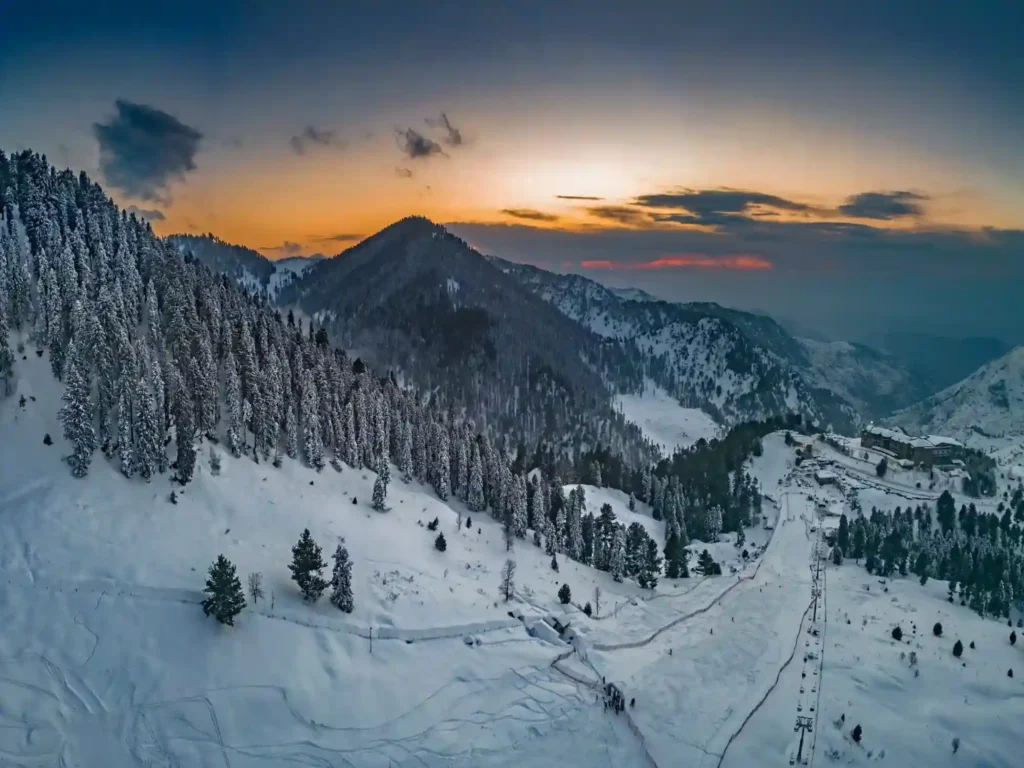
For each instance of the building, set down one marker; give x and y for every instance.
(930, 450)
(824, 477)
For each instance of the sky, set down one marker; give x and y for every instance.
(851, 168)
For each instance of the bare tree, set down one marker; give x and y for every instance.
(508, 575)
(597, 602)
(255, 586)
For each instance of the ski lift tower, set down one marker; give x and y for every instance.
(804, 725)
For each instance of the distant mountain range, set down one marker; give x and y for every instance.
(498, 336)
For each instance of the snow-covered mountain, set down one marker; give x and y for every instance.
(736, 366)
(990, 401)
(416, 299)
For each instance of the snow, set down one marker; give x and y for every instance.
(106, 658)
(989, 401)
(664, 421)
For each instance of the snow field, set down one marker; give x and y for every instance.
(664, 421)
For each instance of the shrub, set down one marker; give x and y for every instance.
(937, 629)
(47, 440)
(857, 733)
(958, 649)
(897, 634)
(587, 609)
(565, 594)
(440, 544)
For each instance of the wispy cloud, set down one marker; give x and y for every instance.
(884, 205)
(343, 237)
(311, 136)
(452, 135)
(529, 214)
(621, 214)
(578, 197)
(698, 260)
(403, 173)
(144, 149)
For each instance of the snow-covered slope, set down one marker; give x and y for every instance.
(990, 401)
(664, 421)
(733, 365)
(106, 658)
(875, 383)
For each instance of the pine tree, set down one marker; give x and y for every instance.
(440, 544)
(148, 437)
(650, 569)
(564, 594)
(519, 508)
(233, 402)
(312, 441)
(380, 485)
(341, 580)
(291, 431)
(707, 566)
(76, 415)
(442, 466)
(225, 597)
(574, 523)
(307, 567)
(126, 449)
(405, 454)
(184, 427)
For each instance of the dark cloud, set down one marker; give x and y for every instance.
(344, 237)
(144, 149)
(234, 142)
(883, 205)
(529, 214)
(403, 173)
(620, 214)
(285, 249)
(578, 197)
(415, 145)
(149, 214)
(717, 207)
(453, 136)
(313, 136)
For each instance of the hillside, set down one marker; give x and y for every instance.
(990, 401)
(733, 365)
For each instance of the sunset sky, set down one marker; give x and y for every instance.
(801, 158)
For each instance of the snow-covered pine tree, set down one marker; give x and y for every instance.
(550, 539)
(307, 567)
(405, 452)
(184, 426)
(476, 480)
(351, 450)
(291, 431)
(341, 580)
(126, 447)
(650, 567)
(76, 415)
(574, 524)
(380, 485)
(6, 355)
(617, 556)
(225, 596)
(519, 507)
(233, 403)
(311, 440)
(442, 468)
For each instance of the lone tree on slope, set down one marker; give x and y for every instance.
(307, 567)
(255, 586)
(565, 594)
(440, 544)
(341, 580)
(508, 579)
(958, 649)
(937, 629)
(226, 599)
